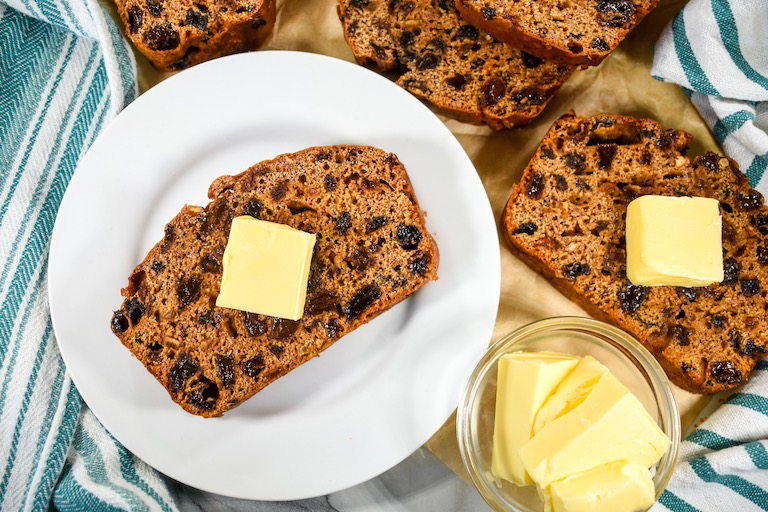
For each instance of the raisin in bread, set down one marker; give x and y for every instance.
(174, 35)
(566, 220)
(461, 71)
(372, 251)
(574, 32)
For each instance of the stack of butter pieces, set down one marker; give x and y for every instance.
(569, 426)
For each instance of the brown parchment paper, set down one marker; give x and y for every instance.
(622, 84)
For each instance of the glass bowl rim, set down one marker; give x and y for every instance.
(630, 348)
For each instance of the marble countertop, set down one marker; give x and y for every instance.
(419, 483)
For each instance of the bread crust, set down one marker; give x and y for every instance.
(372, 251)
(572, 35)
(565, 219)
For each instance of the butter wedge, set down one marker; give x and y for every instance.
(675, 241)
(524, 381)
(618, 486)
(266, 268)
(571, 391)
(609, 424)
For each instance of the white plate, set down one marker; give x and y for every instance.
(367, 402)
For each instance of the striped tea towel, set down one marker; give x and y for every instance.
(65, 72)
(717, 50)
(723, 464)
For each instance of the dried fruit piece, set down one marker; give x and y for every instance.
(632, 297)
(467, 32)
(419, 264)
(196, 19)
(527, 228)
(181, 371)
(253, 208)
(119, 322)
(279, 191)
(376, 223)
(731, 271)
(576, 161)
(226, 367)
(283, 328)
(208, 318)
(254, 325)
(154, 7)
(576, 269)
(362, 300)
(211, 263)
(718, 321)
(615, 13)
(408, 236)
(134, 308)
(204, 394)
(753, 349)
(492, 91)
(605, 155)
(258, 22)
(135, 18)
(253, 367)
(599, 44)
(333, 328)
(428, 61)
(359, 260)
(168, 237)
(536, 186)
(162, 37)
(187, 291)
(725, 373)
(343, 222)
(750, 287)
(489, 13)
(322, 301)
(749, 201)
(530, 95)
(458, 81)
(682, 335)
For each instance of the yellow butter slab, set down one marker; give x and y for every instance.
(619, 486)
(265, 268)
(524, 381)
(571, 391)
(675, 241)
(609, 424)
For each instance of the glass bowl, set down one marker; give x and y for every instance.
(624, 356)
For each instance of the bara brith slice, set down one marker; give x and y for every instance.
(372, 251)
(566, 220)
(461, 71)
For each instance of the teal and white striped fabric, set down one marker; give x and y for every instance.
(717, 50)
(65, 72)
(723, 463)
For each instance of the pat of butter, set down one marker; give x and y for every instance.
(266, 268)
(571, 391)
(609, 424)
(619, 486)
(674, 241)
(524, 381)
